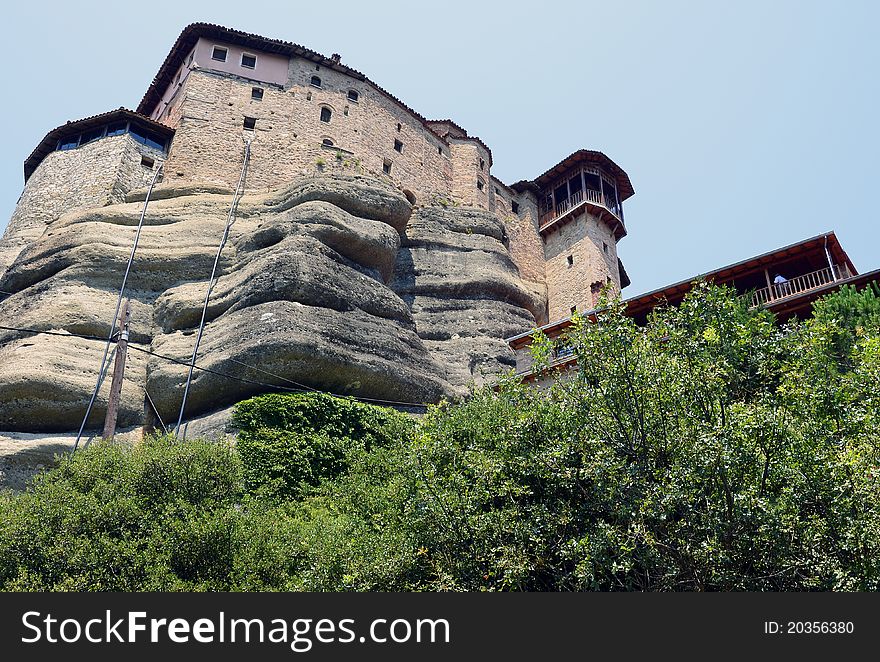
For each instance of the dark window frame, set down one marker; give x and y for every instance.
(248, 66)
(219, 48)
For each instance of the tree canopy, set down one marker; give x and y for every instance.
(710, 449)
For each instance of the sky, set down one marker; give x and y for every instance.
(743, 126)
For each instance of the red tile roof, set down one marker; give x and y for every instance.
(191, 34)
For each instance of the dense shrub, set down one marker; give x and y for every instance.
(710, 449)
(289, 443)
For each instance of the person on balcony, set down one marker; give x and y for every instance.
(781, 285)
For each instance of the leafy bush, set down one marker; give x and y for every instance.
(707, 450)
(289, 443)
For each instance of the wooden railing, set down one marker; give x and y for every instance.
(798, 285)
(576, 199)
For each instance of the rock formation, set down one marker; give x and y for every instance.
(333, 282)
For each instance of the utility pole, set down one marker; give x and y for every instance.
(118, 372)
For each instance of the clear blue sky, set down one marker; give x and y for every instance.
(744, 126)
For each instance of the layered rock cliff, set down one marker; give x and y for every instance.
(334, 283)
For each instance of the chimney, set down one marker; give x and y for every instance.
(336, 57)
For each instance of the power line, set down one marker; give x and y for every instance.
(137, 237)
(230, 219)
(298, 388)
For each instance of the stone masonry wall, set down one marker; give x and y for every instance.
(467, 155)
(287, 140)
(93, 175)
(568, 285)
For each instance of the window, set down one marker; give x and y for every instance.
(353, 95)
(327, 142)
(398, 146)
(68, 143)
(147, 138)
(248, 61)
(326, 113)
(482, 164)
(386, 167)
(570, 260)
(480, 184)
(514, 207)
(399, 126)
(257, 93)
(605, 248)
(574, 309)
(147, 162)
(89, 136)
(440, 150)
(116, 128)
(219, 54)
(250, 123)
(316, 81)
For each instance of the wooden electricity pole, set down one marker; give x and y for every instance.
(118, 372)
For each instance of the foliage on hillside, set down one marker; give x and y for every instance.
(709, 450)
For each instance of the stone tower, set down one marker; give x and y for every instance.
(580, 220)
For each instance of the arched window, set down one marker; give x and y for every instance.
(327, 142)
(316, 81)
(326, 113)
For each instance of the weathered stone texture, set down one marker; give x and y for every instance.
(569, 285)
(287, 141)
(93, 175)
(456, 273)
(316, 287)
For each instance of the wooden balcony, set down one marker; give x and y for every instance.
(767, 296)
(571, 206)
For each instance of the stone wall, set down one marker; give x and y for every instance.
(585, 240)
(470, 165)
(93, 175)
(288, 140)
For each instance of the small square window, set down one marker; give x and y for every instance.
(250, 123)
(147, 162)
(570, 260)
(257, 93)
(353, 95)
(398, 146)
(219, 54)
(248, 61)
(386, 167)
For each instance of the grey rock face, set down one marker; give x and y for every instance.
(331, 283)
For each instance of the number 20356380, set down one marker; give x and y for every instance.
(808, 627)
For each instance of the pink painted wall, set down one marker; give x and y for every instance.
(172, 90)
(271, 68)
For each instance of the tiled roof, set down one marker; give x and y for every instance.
(191, 34)
(47, 145)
